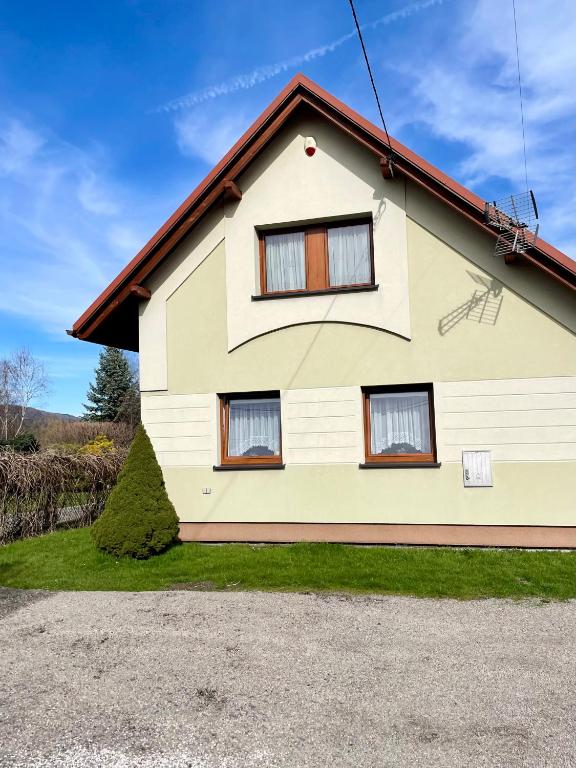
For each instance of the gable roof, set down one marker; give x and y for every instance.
(113, 317)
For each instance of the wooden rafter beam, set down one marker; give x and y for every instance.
(232, 191)
(386, 167)
(139, 291)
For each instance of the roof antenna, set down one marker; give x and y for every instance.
(515, 216)
(385, 162)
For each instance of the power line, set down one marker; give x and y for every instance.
(520, 92)
(358, 29)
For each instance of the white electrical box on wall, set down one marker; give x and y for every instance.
(477, 469)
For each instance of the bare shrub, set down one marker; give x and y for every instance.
(41, 492)
(23, 379)
(64, 436)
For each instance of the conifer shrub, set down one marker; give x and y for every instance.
(139, 519)
(25, 442)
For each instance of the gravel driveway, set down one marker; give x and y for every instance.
(215, 680)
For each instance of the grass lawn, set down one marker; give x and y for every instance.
(68, 560)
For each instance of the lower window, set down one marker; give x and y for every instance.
(250, 428)
(399, 424)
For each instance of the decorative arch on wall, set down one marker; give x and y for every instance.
(319, 323)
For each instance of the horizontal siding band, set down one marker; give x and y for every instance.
(179, 429)
(321, 431)
(170, 416)
(549, 417)
(328, 455)
(496, 387)
(513, 452)
(321, 395)
(300, 410)
(510, 436)
(314, 402)
(159, 402)
(321, 424)
(321, 442)
(534, 401)
(516, 419)
(200, 443)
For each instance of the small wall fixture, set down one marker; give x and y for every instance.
(387, 167)
(477, 469)
(310, 145)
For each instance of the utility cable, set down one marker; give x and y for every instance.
(520, 92)
(359, 30)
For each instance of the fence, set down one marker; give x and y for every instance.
(40, 492)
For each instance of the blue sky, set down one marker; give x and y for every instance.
(111, 112)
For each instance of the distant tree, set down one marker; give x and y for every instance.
(129, 412)
(23, 380)
(113, 381)
(6, 398)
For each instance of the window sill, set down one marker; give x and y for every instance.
(245, 467)
(401, 465)
(323, 292)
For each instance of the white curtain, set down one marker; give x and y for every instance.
(285, 262)
(349, 254)
(400, 423)
(254, 427)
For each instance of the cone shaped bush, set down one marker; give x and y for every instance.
(138, 519)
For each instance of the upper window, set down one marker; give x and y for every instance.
(250, 425)
(316, 258)
(399, 424)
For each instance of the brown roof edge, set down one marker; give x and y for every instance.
(186, 206)
(544, 255)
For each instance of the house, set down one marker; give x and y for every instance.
(330, 348)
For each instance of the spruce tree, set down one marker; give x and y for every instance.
(138, 519)
(113, 380)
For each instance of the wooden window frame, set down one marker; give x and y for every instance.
(398, 458)
(243, 461)
(316, 257)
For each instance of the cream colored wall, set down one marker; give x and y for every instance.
(436, 232)
(285, 186)
(515, 377)
(502, 382)
(524, 342)
(523, 494)
(516, 419)
(168, 278)
(322, 426)
(183, 428)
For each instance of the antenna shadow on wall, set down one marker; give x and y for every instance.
(483, 307)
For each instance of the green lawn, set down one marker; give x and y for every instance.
(68, 560)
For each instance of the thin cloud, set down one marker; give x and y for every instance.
(223, 127)
(71, 225)
(266, 72)
(475, 104)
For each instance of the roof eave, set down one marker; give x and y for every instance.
(544, 255)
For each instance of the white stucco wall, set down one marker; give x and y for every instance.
(285, 186)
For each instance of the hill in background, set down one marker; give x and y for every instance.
(34, 415)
